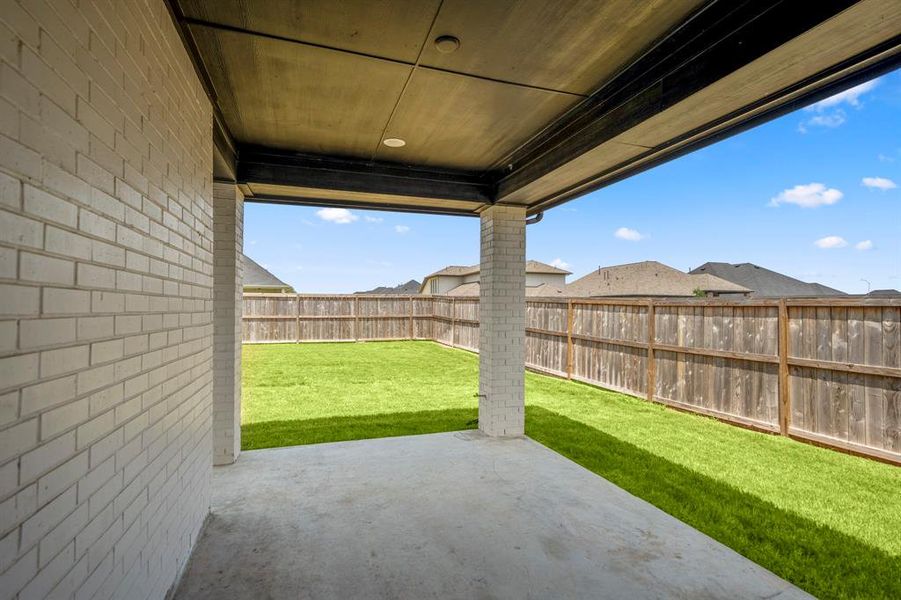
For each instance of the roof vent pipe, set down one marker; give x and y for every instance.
(535, 219)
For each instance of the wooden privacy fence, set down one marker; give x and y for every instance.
(823, 370)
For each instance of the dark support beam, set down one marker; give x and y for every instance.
(722, 37)
(225, 159)
(382, 206)
(274, 167)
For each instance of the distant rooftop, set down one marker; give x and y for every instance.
(885, 293)
(765, 283)
(532, 266)
(648, 278)
(256, 277)
(410, 287)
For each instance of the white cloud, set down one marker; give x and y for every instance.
(809, 195)
(831, 113)
(879, 183)
(626, 233)
(885, 158)
(370, 219)
(560, 263)
(831, 120)
(342, 216)
(864, 245)
(831, 241)
(401, 229)
(850, 96)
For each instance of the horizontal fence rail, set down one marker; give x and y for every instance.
(827, 371)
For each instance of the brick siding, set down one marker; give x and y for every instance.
(502, 334)
(106, 300)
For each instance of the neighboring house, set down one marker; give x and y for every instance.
(650, 278)
(886, 293)
(472, 290)
(257, 279)
(405, 289)
(765, 283)
(541, 280)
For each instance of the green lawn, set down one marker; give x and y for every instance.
(828, 522)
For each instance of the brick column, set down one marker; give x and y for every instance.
(228, 278)
(502, 334)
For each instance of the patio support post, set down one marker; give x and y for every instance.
(503, 318)
(228, 279)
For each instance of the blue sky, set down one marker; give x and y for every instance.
(815, 194)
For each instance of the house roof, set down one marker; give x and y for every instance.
(647, 278)
(765, 283)
(410, 287)
(885, 293)
(532, 266)
(472, 289)
(465, 289)
(258, 277)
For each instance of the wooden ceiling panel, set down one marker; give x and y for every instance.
(392, 29)
(298, 97)
(566, 45)
(458, 122)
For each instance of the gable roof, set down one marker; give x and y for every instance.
(256, 276)
(647, 278)
(765, 283)
(532, 266)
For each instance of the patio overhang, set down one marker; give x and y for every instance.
(539, 103)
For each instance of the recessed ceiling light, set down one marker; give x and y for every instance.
(446, 44)
(394, 142)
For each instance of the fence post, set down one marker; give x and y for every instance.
(297, 327)
(651, 383)
(569, 339)
(784, 397)
(411, 317)
(454, 322)
(356, 311)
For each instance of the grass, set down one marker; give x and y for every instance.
(828, 522)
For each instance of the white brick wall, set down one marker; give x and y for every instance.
(106, 300)
(228, 278)
(502, 334)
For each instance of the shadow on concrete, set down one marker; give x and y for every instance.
(816, 558)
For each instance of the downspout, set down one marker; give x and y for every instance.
(535, 219)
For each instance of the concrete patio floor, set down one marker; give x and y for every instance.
(451, 515)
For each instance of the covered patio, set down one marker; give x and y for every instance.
(132, 132)
(449, 515)
(494, 111)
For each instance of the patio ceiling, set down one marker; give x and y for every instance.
(540, 103)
